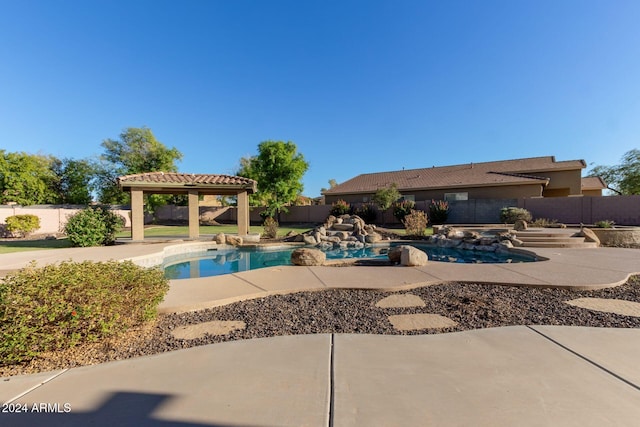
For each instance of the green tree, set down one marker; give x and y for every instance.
(279, 169)
(74, 181)
(385, 197)
(623, 178)
(26, 179)
(332, 183)
(137, 151)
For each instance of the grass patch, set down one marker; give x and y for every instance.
(9, 246)
(183, 230)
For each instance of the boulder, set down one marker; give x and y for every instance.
(308, 257)
(328, 223)
(471, 235)
(342, 235)
(517, 243)
(394, 254)
(412, 257)
(251, 238)
(310, 240)
(234, 240)
(486, 241)
(589, 235)
(520, 225)
(504, 244)
(372, 238)
(220, 239)
(209, 218)
(342, 226)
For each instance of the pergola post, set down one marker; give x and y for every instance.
(243, 214)
(194, 215)
(137, 215)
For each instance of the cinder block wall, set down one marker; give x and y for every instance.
(52, 217)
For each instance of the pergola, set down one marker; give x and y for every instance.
(193, 185)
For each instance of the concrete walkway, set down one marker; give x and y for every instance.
(538, 375)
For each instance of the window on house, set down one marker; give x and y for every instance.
(409, 197)
(456, 196)
(365, 199)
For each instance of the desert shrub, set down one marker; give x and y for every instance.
(270, 228)
(402, 208)
(604, 224)
(21, 225)
(59, 306)
(542, 222)
(93, 227)
(340, 208)
(367, 211)
(510, 215)
(438, 211)
(415, 223)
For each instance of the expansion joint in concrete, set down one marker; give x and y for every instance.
(586, 359)
(331, 380)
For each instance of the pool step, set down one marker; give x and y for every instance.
(549, 239)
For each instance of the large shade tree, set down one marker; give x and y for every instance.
(26, 179)
(74, 181)
(623, 178)
(279, 169)
(137, 151)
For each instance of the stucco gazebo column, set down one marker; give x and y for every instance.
(194, 215)
(137, 215)
(243, 214)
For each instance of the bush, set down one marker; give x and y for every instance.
(367, 211)
(21, 225)
(93, 227)
(59, 306)
(511, 214)
(340, 208)
(543, 222)
(402, 208)
(270, 228)
(438, 211)
(415, 223)
(604, 224)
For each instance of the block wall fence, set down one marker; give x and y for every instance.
(623, 210)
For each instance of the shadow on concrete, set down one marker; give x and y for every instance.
(121, 409)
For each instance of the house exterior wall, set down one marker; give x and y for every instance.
(497, 192)
(562, 183)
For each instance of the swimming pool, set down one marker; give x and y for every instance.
(215, 262)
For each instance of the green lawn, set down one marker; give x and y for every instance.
(183, 230)
(32, 245)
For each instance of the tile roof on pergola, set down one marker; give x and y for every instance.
(186, 183)
(180, 183)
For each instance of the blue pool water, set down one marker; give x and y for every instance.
(225, 261)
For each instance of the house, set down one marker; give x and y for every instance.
(593, 186)
(506, 179)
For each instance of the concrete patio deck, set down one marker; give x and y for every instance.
(522, 375)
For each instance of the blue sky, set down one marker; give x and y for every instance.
(359, 86)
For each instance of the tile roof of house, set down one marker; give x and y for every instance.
(593, 183)
(175, 179)
(505, 172)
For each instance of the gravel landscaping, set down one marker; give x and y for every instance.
(471, 306)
